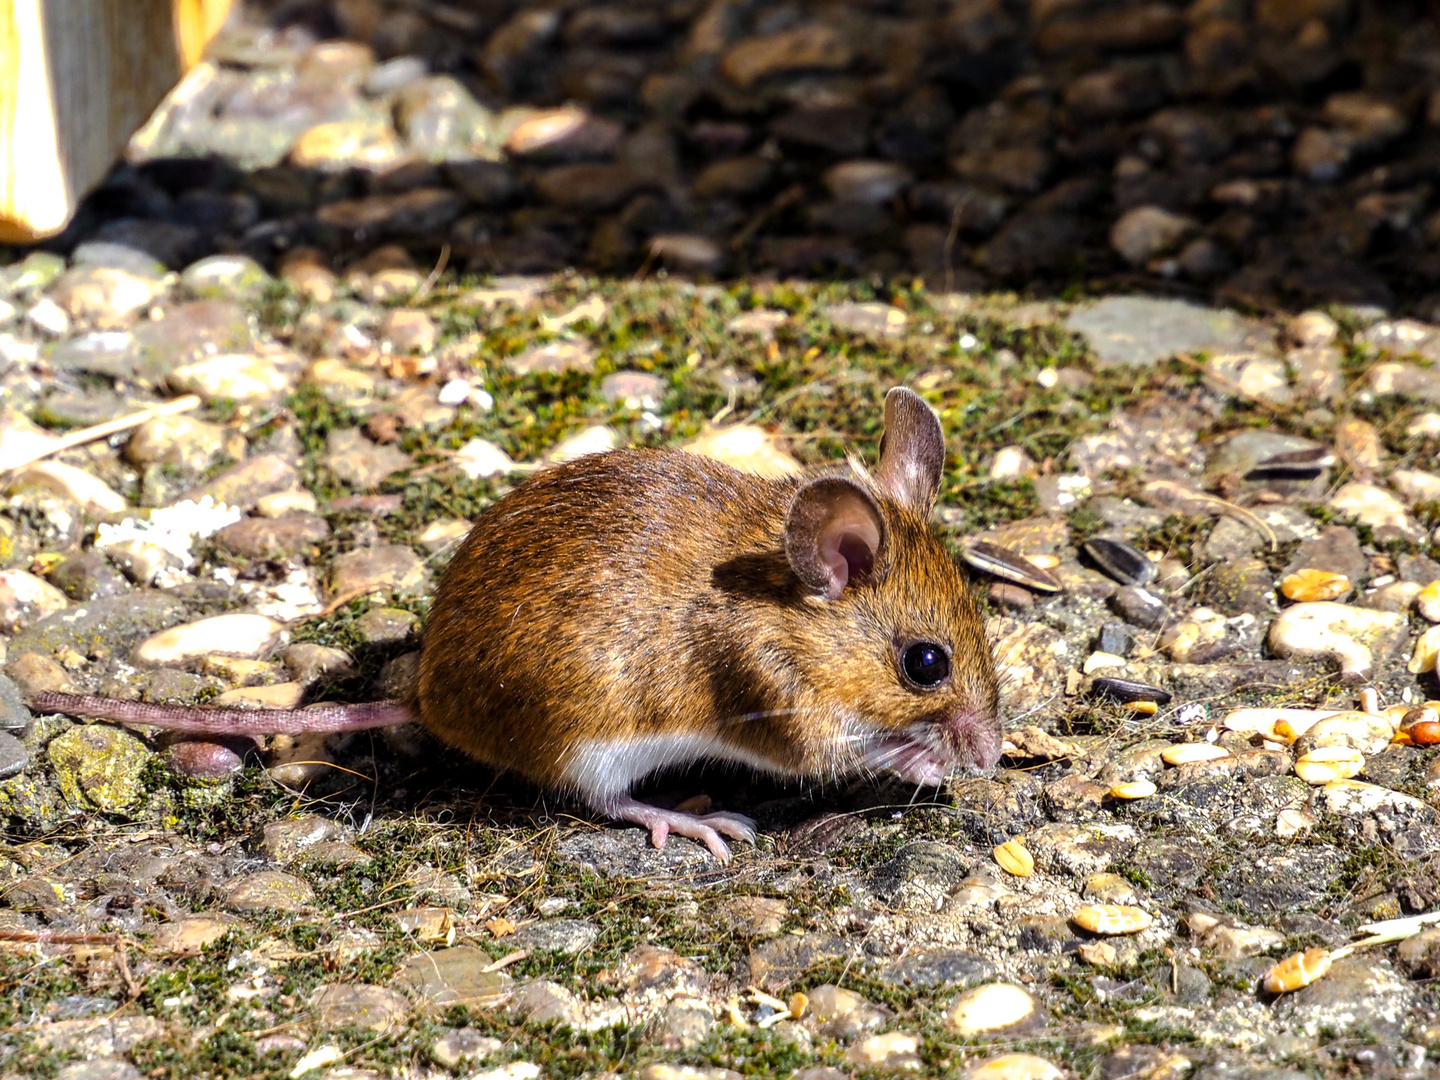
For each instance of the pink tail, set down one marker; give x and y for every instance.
(217, 720)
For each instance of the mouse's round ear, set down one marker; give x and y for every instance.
(834, 535)
(912, 451)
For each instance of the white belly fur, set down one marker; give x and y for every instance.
(607, 768)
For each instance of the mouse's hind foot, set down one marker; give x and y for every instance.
(707, 828)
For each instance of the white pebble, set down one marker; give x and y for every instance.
(455, 392)
(989, 1008)
(83, 487)
(1324, 628)
(228, 635)
(479, 459)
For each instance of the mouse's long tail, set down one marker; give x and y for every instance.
(218, 720)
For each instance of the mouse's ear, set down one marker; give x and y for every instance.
(834, 534)
(912, 451)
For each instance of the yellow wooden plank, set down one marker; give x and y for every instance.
(77, 77)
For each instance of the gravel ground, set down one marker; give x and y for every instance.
(1195, 515)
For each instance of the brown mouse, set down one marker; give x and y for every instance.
(643, 609)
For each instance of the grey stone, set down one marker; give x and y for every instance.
(1336, 549)
(567, 936)
(457, 976)
(14, 755)
(920, 875)
(1136, 331)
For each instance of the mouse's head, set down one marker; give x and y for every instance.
(892, 634)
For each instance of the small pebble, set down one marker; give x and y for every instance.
(229, 635)
(1017, 1066)
(989, 1008)
(1336, 631)
(1427, 648)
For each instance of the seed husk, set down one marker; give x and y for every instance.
(1427, 601)
(1187, 753)
(1125, 691)
(1327, 763)
(1135, 789)
(1311, 584)
(1425, 733)
(1111, 918)
(1008, 565)
(1293, 464)
(1120, 561)
(1013, 858)
(1297, 971)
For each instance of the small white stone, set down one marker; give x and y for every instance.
(593, 440)
(1325, 628)
(479, 459)
(747, 448)
(1370, 505)
(1312, 329)
(48, 317)
(1011, 463)
(26, 599)
(1267, 379)
(279, 503)
(227, 635)
(1294, 820)
(73, 483)
(1354, 797)
(1416, 486)
(230, 376)
(145, 563)
(455, 392)
(989, 1008)
(1424, 426)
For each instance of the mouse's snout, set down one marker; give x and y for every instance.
(975, 737)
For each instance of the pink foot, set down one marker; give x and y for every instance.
(705, 828)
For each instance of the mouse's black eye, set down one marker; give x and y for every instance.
(925, 664)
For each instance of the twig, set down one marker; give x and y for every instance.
(101, 431)
(434, 275)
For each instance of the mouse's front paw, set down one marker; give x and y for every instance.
(707, 828)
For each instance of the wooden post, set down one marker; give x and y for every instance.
(77, 77)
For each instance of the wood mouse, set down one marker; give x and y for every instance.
(638, 610)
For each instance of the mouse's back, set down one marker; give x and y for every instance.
(564, 613)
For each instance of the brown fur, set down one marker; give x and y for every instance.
(648, 591)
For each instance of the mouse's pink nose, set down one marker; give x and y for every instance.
(977, 739)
